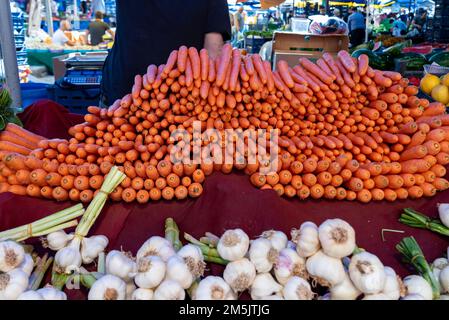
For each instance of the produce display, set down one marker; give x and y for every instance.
(346, 131)
(437, 87)
(318, 262)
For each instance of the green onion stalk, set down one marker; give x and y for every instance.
(416, 219)
(58, 221)
(38, 274)
(172, 233)
(210, 254)
(413, 255)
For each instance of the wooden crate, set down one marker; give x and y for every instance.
(290, 46)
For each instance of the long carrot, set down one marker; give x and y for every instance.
(27, 135)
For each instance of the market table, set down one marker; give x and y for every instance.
(228, 201)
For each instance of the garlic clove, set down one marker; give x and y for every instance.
(11, 255)
(278, 239)
(150, 272)
(108, 287)
(289, 264)
(264, 285)
(57, 240)
(193, 257)
(130, 288)
(142, 294)
(30, 295)
(262, 255)
(156, 246)
(443, 212)
(306, 239)
(344, 290)
(68, 259)
(121, 265)
(444, 279)
(415, 284)
(27, 264)
(393, 287)
(240, 274)
(92, 247)
(179, 271)
(367, 273)
(337, 238)
(169, 290)
(12, 284)
(214, 288)
(233, 244)
(297, 288)
(326, 271)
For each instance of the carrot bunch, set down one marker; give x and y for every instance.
(346, 131)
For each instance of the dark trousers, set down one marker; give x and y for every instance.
(357, 37)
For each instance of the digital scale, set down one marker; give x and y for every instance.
(84, 69)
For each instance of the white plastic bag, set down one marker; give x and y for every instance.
(327, 25)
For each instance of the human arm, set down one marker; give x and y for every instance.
(213, 42)
(111, 32)
(218, 29)
(86, 36)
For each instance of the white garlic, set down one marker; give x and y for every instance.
(92, 247)
(297, 288)
(438, 265)
(12, 284)
(156, 246)
(233, 244)
(58, 240)
(264, 285)
(278, 239)
(240, 274)
(30, 295)
(169, 290)
(272, 297)
(337, 238)
(130, 288)
(27, 264)
(214, 288)
(306, 239)
(376, 296)
(288, 264)
(50, 293)
(11, 255)
(418, 285)
(444, 279)
(262, 254)
(413, 296)
(326, 271)
(142, 294)
(326, 296)
(393, 286)
(177, 270)
(443, 212)
(150, 272)
(367, 272)
(108, 287)
(344, 290)
(69, 259)
(193, 258)
(120, 265)
(444, 297)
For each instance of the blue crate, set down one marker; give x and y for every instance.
(31, 92)
(76, 100)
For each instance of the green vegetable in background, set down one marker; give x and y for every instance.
(7, 113)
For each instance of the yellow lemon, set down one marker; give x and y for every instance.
(429, 82)
(445, 80)
(441, 93)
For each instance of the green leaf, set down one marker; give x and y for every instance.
(14, 119)
(2, 123)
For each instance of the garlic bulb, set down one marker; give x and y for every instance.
(27, 264)
(92, 247)
(413, 296)
(121, 265)
(233, 244)
(262, 254)
(325, 270)
(69, 259)
(297, 288)
(12, 284)
(306, 239)
(193, 258)
(108, 287)
(264, 285)
(278, 239)
(438, 265)
(377, 296)
(156, 246)
(57, 240)
(130, 288)
(240, 274)
(418, 285)
(169, 290)
(50, 293)
(393, 287)
(443, 212)
(214, 288)
(344, 290)
(272, 297)
(367, 273)
(289, 264)
(11, 255)
(177, 270)
(444, 297)
(142, 294)
(337, 238)
(150, 272)
(444, 279)
(30, 295)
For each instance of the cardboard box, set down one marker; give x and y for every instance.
(290, 46)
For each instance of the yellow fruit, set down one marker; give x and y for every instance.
(441, 93)
(445, 80)
(429, 82)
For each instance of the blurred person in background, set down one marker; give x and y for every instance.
(59, 37)
(239, 19)
(98, 5)
(336, 13)
(97, 29)
(356, 26)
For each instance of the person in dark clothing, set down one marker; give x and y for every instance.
(356, 26)
(147, 32)
(97, 29)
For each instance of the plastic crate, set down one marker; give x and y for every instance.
(32, 92)
(77, 99)
(254, 43)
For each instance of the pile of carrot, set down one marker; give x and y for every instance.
(347, 131)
